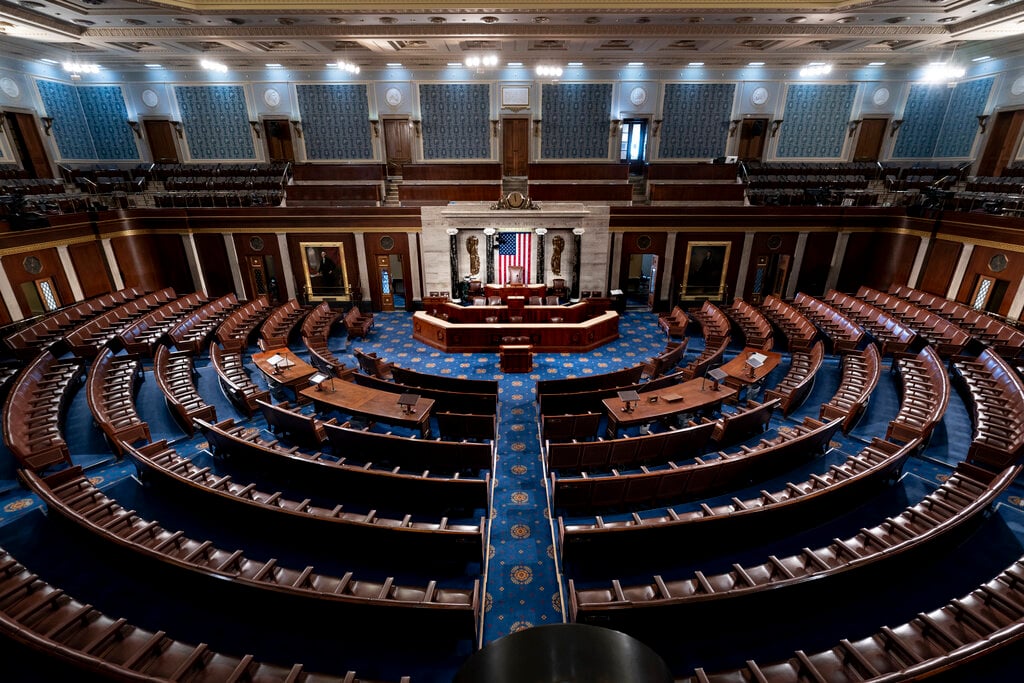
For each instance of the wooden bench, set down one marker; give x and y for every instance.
(740, 425)
(798, 330)
(599, 455)
(925, 395)
(295, 427)
(714, 324)
(585, 383)
(276, 331)
(413, 378)
(757, 331)
(462, 402)
(146, 332)
(454, 426)
(674, 322)
(665, 361)
(176, 376)
(373, 366)
(194, 332)
(796, 385)
(894, 336)
(356, 323)
(234, 333)
(76, 499)
(111, 387)
(364, 444)
(235, 380)
(844, 334)
(996, 399)
(570, 427)
(860, 375)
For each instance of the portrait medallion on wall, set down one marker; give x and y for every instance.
(998, 263)
(256, 243)
(10, 87)
(774, 242)
(759, 96)
(393, 96)
(150, 98)
(880, 96)
(272, 97)
(643, 242)
(387, 242)
(32, 265)
(637, 96)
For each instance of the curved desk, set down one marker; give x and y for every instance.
(487, 337)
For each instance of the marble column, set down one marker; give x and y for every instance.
(69, 271)
(453, 250)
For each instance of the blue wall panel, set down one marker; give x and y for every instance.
(960, 127)
(576, 120)
(695, 121)
(70, 128)
(455, 121)
(815, 120)
(335, 121)
(107, 117)
(216, 121)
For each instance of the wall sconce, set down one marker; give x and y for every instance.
(854, 125)
(255, 125)
(982, 122)
(416, 127)
(374, 125)
(732, 126)
(178, 128)
(134, 125)
(47, 123)
(494, 127)
(616, 126)
(895, 126)
(657, 127)
(536, 128)
(297, 125)
(775, 126)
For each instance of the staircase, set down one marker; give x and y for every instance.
(391, 190)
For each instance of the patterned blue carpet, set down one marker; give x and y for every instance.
(522, 578)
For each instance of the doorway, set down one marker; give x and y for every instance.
(278, 133)
(869, 140)
(752, 138)
(161, 137)
(640, 281)
(260, 277)
(397, 144)
(385, 278)
(27, 143)
(515, 146)
(633, 149)
(1002, 143)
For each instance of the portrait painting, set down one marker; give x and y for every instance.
(324, 264)
(706, 266)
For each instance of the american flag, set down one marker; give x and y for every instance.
(514, 249)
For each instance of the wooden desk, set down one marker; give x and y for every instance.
(373, 404)
(739, 372)
(693, 399)
(295, 376)
(481, 337)
(505, 291)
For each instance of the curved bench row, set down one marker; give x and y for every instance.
(175, 375)
(406, 451)
(665, 361)
(845, 334)
(193, 333)
(925, 395)
(234, 333)
(674, 535)
(432, 540)
(714, 324)
(796, 385)
(703, 476)
(674, 323)
(800, 333)
(941, 517)
(71, 495)
(445, 401)
(316, 330)
(861, 372)
(142, 335)
(947, 338)
(997, 403)
(893, 335)
(34, 408)
(235, 380)
(88, 338)
(48, 620)
(112, 385)
(757, 331)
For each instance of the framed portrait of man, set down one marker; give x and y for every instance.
(324, 265)
(706, 267)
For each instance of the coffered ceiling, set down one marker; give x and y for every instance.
(249, 34)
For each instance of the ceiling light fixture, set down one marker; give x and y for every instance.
(938, 72)
(478, 62)
(816, 69)
(80, 68)
(634, 64)
(876, 63)
(342, 65)
(273, 65)
(548, 71)
(393, 65)
(695, 64)
(514, 64)
(575, 64)
(153, 66)
(214, 66)
(755, 64)
(981, 59)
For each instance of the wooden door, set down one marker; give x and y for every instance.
(256, 277)
(1002, 143)
(752, 137)
(869, 139)
(386, 282)
(515, 146)
(162, 143)
(397, 144)
(29, 145)
(278, 133)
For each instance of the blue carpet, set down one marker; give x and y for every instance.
(523, 580)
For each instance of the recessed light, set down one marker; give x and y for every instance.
(896, 20)
(981, 59)
(514, 64)
(635, 64)
(575, 64)
(441, 20)
(45, 60)
(846, 20)
(796, 20)
(153, 66)
(454, 63)
(876, 63)
(490, 20)
(272, 65)
(695, 64)
(755, 64)
(393, 65)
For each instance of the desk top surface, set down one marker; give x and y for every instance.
(357, 399)
(738, 370)
(687, 396)
(297, 371)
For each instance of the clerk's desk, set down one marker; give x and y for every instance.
(373, 404)
(293, 372)
(691, 396)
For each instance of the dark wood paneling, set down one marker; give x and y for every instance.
(348, 172)
(817, 262)
(51, 267)
(245, 250)
(213, 259)
(160, 136)
(689, 192)
(600, 191)
(691, 171)
(436, 171)
(331, 195)
(91, 269)
(371, 242)
(978, 265)
(515, 145)
(602, 170)
(152, 262)
(877, 260)
(437, 193)
(761, 248)
(939, 265)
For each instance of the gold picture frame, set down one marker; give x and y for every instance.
(323, 264)
(515, 97)
(707, 265)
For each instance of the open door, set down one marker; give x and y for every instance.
(515, 146)
(752, 137)
(385, 277)
(397, 144)
(278, 134)
(162, 141)
(633, 148)
(29, 145)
